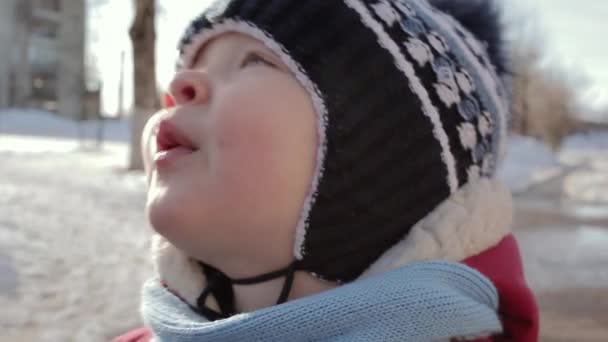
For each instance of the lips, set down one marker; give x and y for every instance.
(171, 144)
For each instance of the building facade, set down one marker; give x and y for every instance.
(44, 66)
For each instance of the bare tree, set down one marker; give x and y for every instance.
(146, 102)
(545, 94)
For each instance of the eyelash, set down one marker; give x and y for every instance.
(254, 59)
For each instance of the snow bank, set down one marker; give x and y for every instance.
(41, 123)
(528, 161)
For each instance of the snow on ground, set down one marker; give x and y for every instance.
(588, 183)
(597, 140)
(561, 225)
(73, 241)
(565, 257)
(583, 160)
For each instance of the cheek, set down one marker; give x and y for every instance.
(265, 148)
(258, 135)
(248, 154)
(248, 140)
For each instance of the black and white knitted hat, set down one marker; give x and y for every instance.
(411, 106)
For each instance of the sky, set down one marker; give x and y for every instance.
(108, 28)
(574, 33)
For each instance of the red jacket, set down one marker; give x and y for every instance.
(517, 308)
(501, 264)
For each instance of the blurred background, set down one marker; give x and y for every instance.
(79, 78)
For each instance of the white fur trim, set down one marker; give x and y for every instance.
(472, 220)
(180, 273)
(318, 102)
(415, 85)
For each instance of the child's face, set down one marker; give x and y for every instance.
(233, 195)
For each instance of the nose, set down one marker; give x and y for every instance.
(190, 87)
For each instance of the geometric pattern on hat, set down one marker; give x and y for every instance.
(409, 109)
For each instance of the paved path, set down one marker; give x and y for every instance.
(8, 277)
(564, 244)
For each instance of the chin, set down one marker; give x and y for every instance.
(171, 216)
(160, 217)
(165, 214)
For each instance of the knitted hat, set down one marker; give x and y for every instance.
(410, 107)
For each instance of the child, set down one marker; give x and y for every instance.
(325, 173)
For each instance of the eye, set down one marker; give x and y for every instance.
(255, 59)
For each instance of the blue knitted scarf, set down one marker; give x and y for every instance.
(427, 301)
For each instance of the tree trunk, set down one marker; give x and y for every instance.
(143, 38)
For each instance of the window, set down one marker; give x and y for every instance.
(44, 27)
(50, 5)
(44, 87)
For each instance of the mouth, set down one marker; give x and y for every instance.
(171, 143)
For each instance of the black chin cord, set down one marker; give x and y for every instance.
(220, 286)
